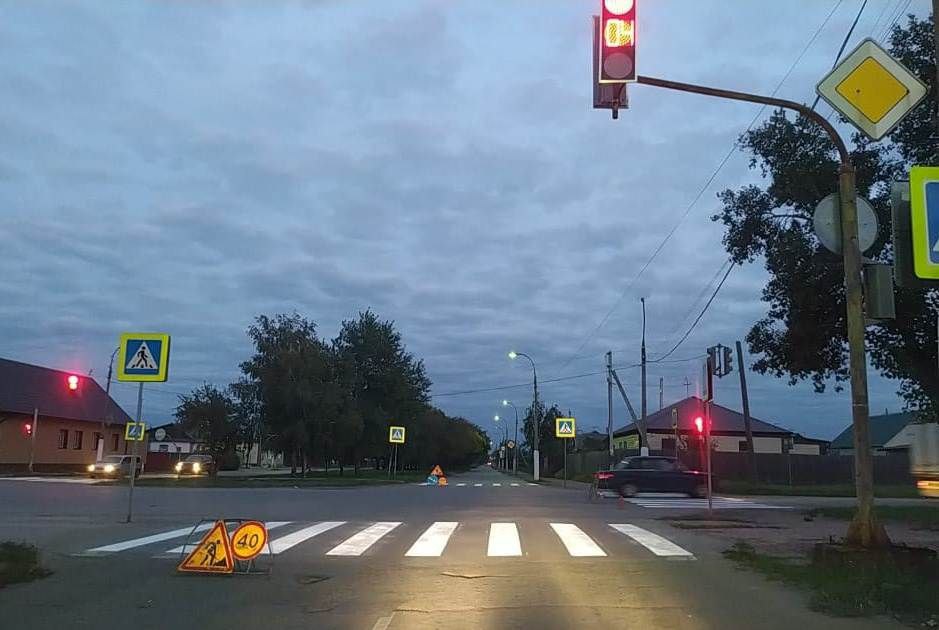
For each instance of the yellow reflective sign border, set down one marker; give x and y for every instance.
(163, 361)
(925, 258)
(131, 426)
(248, 540)
(396, 435)
(559, 422)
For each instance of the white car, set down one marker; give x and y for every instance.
(114, 466)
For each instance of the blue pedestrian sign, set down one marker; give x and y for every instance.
(924, 221)
(135, 431)
(143, 357)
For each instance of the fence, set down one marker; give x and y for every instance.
(892, 468)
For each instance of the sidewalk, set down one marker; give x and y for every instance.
(254, 472)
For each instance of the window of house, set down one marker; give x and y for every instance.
(179, 449)
(164, 448)
(77, 439)
(114, 438)
(63, 438)
(98, 438)
(742, 447)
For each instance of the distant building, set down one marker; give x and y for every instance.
(71, 421)
(590, 441)
(889, 432)
(727, 431)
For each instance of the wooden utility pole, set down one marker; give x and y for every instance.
(643, 361)
(609, 405)
(745, 399)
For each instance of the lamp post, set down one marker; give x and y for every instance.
(536, 416)
(506, 403)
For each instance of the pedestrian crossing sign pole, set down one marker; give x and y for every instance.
(395, 437)
(565, 429)
(142, 358)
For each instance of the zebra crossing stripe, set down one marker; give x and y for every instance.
(653, 542)
(147, 540)
(503, 540)
(719, 503)
(496, 485)
(461, 484)
(360, 542)
(514, 485)
(282, 544)
(433, 541)
(578, 543)
(188, 548)
(477, 485)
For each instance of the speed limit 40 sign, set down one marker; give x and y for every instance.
(248, 540)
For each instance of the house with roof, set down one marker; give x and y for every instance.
(52, 420)
(889, 432)
(727, 431)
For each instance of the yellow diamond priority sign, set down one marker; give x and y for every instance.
(872, 89)
(565, 427)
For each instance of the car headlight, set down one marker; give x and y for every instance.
(179, 466)
(108, 468)
(91, 468)
(196, 467)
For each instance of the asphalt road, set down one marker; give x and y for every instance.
(480, 553)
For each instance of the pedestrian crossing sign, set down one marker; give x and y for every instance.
(564, 427)
(143, 357)
(396, 435)
(212, 555)
(924, 221)
(135, 431)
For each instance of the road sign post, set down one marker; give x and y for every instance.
(565, 429)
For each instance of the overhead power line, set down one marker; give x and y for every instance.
(701, 192)
(844, 43)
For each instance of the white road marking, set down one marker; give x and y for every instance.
(80, 480)
(360, 542)
(577, 542)
(530, 483)
(461, 484)
(477, 485)
(188, 548)
(514, 485)
(282, 544)
(719, 503)
(146, 540)
(383, 622)
(497, 485)
(433, 541)
(503, 540)
(653, 542)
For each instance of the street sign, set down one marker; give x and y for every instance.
(437, 471)
(143, 357)
(564, 427)
(510, 443)
(871, 89)
(135, 431)
(396, 435)
(248, 540)
(827, 223)
(924, 221)
(159, 434)
(212, 555)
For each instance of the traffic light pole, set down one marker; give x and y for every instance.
(864, 530)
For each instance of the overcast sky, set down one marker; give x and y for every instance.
(186, 166)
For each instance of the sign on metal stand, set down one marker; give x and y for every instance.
(565, 429)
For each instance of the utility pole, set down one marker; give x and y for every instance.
(32, 438)
(661, 393)
(745, 399)
(609, 404)
(643, 362)
(99, 447)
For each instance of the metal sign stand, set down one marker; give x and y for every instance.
(241, 567)
(133, 455)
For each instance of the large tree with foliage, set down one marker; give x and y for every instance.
(803, 334)
(209, 414)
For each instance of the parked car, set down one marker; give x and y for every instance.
(195, 465)
(651, 474)
(114, 466)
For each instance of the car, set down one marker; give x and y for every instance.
(195, 465)
(651, 474)
(114, 466)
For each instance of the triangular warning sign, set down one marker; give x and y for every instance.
(212, 554)
(437, 471)
(565, 428)
(396, 434)
(142, 359)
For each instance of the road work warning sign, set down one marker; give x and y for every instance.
(212, 555)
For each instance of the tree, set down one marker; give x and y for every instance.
(208, 413)
(803, 335)
(551, 448)
(246, 397)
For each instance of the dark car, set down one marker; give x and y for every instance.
(114, 466)
(196, 465)
(651, 474)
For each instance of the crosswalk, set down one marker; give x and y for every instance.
(718, 503)
(503, 539)
(492, 484)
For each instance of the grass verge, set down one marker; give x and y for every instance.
(918, 516)
(848, 590)
(832, 490)
(19, 562)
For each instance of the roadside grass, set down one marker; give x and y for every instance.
(848, 590)
(19, 562)
(918, 516)
(313, 479)
(831, 490)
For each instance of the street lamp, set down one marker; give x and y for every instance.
(536, 413)
(506, 403)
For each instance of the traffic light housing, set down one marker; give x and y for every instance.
(72, 383)
(27, 429)
(727, 364)
(617, 41)
(699, 425)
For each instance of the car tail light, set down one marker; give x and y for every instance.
(603, 475)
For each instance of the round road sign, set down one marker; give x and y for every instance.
(159, 434)
(248, 540)
(510, 443)
(827, 223)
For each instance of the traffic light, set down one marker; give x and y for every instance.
(72, 381)
(27, 429)
(727, 364)
(699, 425)
(617, 41)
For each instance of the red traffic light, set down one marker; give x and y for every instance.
(617, 41)
(72, 383)
(699, 424)
(27, 429)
